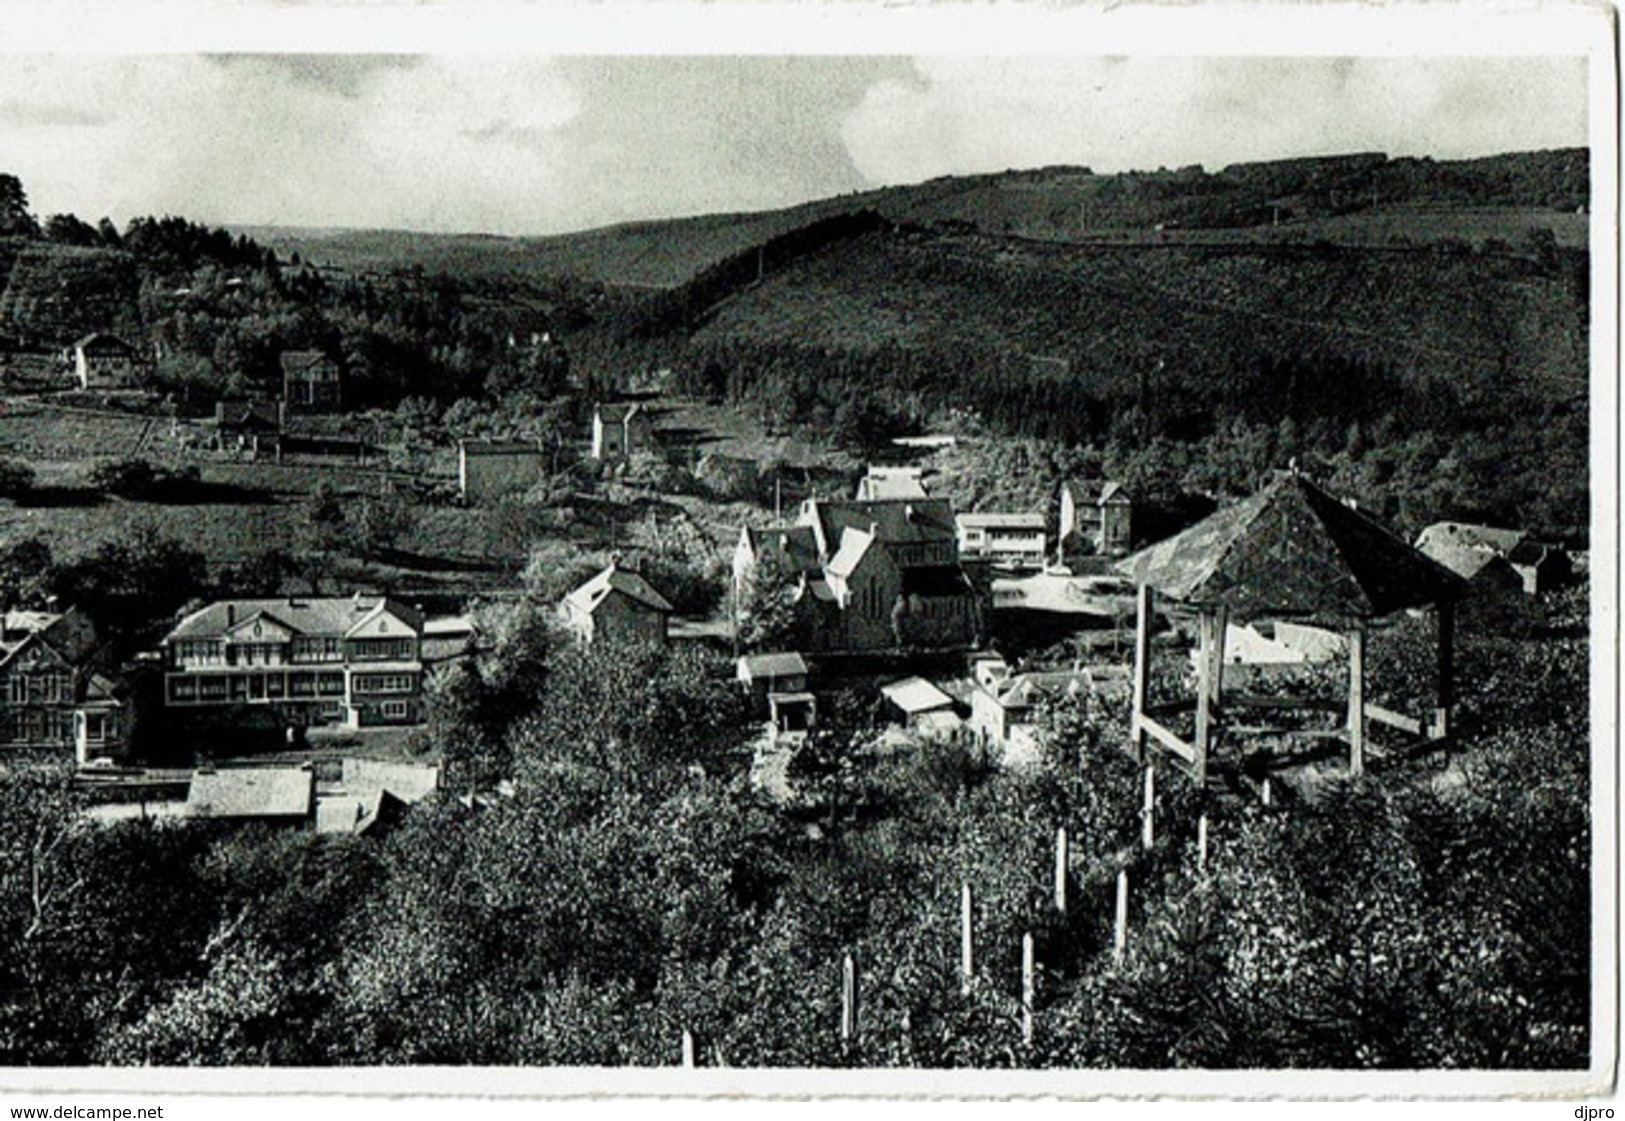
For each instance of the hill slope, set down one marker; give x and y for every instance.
(1361, 199)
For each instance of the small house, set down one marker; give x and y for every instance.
(103, 361)
(763, 674)
(54, 699)
(616, 605)
(490, 469)
(923, 708)
(248, 426)
(311, 382)
(1489, 558)
(1097, 519)
(619, 431)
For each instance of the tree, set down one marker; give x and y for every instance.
(69, 229)
(16, 478)
(323, 527)
(381, 520)
(770, 614)
(25, 573)
(133, 582)
(15, 220)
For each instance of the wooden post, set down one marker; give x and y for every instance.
(688, 1049)
(1357, 699)
(1204, 694)
(1148, 810)
(1120, 923)
(1445, 681)
(1146, 601)
(1029, 987)
(1201, 843)
(1060, 869)
(849, 999)
(1221, 626)
(1265, 794)
(967, 946)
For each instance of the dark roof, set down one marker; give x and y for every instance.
(297, 361)
(72, 635)
(101, 340)
(1094, 492)
(263, 415)
(935, 580)
(305, 615)
(896, 521)
(617, 414)
(1293, 549)
(794, 545)
(614, 578)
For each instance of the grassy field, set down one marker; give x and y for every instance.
(44, 433)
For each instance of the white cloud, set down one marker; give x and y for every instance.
(525, 144)
(973, 114)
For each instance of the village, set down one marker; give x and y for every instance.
(886, 591)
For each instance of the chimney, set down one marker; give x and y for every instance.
(231, 615)
(908, 512)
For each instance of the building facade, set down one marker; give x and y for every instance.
(311, 382)
(354, 661)
(1097, 519)
(1012, 539)
(103, 361)
(618, 431)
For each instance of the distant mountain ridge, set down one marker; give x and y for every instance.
(1361, 198)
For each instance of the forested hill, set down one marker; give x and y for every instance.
(1364, 199)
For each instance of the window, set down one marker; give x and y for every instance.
(395, 710)
(183, 688)
(330, 684)
(318, 650)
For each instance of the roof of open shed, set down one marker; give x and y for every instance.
(1293, 549)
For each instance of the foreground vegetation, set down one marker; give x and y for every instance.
(630, 887)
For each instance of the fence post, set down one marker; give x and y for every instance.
(967, 941)
(1120, 925)
(1266, 794)
(849, 999)
(688, 1049)
(1061, 852)
(1148, 811)
(1029, 987)
(1201, 843)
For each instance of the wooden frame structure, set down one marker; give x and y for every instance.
(1291, 550)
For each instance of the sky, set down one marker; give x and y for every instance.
(531, 144)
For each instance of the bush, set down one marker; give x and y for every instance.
(16, 478)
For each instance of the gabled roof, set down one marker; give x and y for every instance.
(1095, 492)
(854, 544)
(617, 413)
(896, 521)
(298, 361)
(1293, 549)
(915, 695)
(794, 545)
(331, 617)
(101, 340)
(263, 415)
(755, 666)
(71, 635)
(1441, 536)
(591, 595)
